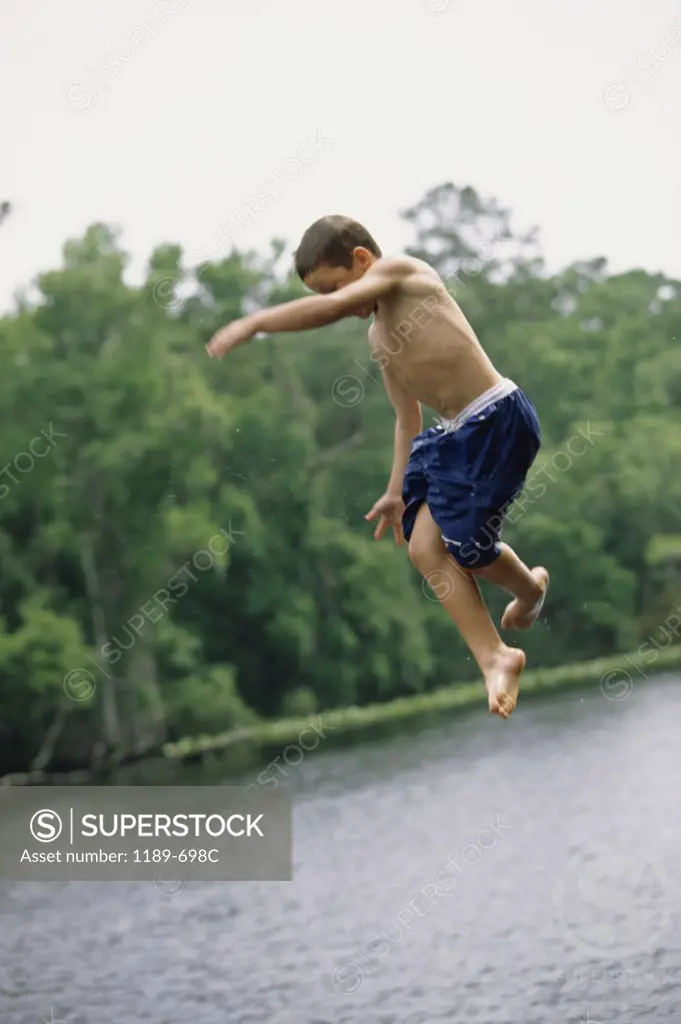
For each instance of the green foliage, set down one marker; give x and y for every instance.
(191, 533)
(299, 703)
(208, 701)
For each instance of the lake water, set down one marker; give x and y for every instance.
(481, 871)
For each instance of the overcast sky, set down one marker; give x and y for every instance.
(164, 117)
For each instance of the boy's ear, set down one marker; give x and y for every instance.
(363, 256)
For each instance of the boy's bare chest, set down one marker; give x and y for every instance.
(391, 349)
(385, 336)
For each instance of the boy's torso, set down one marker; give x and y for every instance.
(421, 337)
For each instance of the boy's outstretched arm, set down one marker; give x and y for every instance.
(313, 311)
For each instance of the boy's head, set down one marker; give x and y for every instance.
(333, 252)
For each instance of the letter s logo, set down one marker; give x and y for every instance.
(45, 826)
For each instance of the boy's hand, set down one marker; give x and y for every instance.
(388, 510)
(229, 337)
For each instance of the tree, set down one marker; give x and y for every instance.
(182, 542)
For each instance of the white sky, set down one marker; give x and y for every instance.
(503, 96)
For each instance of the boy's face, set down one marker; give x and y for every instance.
(325, 279)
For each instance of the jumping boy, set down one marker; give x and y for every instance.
(451, 484)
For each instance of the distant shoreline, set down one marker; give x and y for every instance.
(617, 677)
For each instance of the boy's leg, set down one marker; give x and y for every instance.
(528, 587)
(500, 665)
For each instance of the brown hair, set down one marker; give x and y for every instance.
(331, 240)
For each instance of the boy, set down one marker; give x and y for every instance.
(451, 484)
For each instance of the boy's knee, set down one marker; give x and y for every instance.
(424, 552)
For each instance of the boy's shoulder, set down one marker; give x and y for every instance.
(401, 267)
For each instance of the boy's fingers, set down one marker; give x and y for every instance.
(399, 538)
(381, 528)
(374, 512)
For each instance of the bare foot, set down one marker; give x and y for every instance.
(518, 614)
(502, 681)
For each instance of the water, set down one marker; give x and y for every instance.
(560, 901)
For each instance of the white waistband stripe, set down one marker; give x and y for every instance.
(502, 390)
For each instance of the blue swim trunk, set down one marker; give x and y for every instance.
(470, 469)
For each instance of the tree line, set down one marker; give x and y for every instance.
(182, 542)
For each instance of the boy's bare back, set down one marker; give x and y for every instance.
(421, 338)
